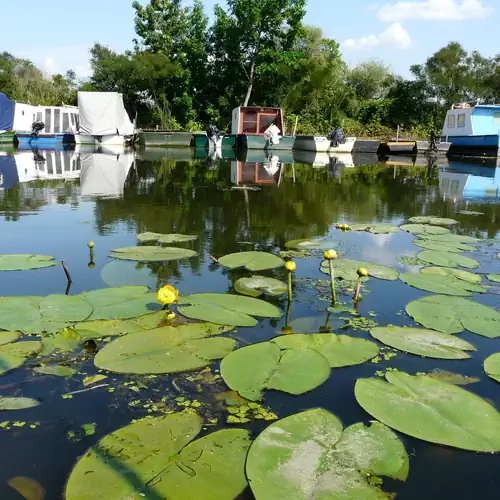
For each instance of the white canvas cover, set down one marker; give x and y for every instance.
(103, 113)
(24, 116)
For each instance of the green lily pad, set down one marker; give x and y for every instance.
(165, 239)
(17, 403)
(311, 244)
(8, 337)
(455, 314)
(448, 259)
(224, 309)
(339, 350)
(14, 355)
(156, 458)
(433, 221)
(253, 261)
(452, 239)
(452, 378)
(444, 246)
(492, 277)
(446, 285)
(55, 370)
(310, 456)
(427, 343)
(454, 273)
(258, 285)
(124, 273)
(424, 229)
(68, 340)
(431, 410)
(347, 269)
(250, 370)
(121, 303)
(25, 262)
(152, 254)
(492, 366)
(163, 350)
(375, 228)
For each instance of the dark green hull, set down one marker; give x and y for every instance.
(201, 141)
(166, 139)
(8, 138)
(223, 154)
(248, 141)
(263, 155)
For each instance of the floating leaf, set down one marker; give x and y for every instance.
(163, 350)
(421, 342)
(492, 277)
(454, 273)
(68, 340)
(250, 370)
(122, 273)
(455, 314)
(253, 261)
(310, 244)
(451, 378)
(27, 487)
(152, 254)
(310, 456)
(452, 239)
(8, 337)
(339, 350)
(25, 262)
(258, 285)
(223, 309)
(165, 238)
(17, 403)
(446, 285)
(492, 366)
(433, 221)
(424, 229)
(431, 410)
(56, 370)
(93, 379)
(470, 212)
(154, 458)
(14, 355)
(347, 269)
(376, 228)
(447, 259)
(444, 246)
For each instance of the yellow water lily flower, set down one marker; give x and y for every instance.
(91, 244)
(167, 295)
(330, 255)
(171, 316)
(287, 330)
(290, 266)
(362, 272)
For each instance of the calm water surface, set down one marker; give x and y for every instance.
(54, 203)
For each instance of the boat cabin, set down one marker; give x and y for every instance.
(252, 120)
(57, 120)
(464, 120)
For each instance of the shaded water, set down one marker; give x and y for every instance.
(54, 203)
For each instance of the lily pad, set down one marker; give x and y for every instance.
(452, 378)
(68, 340)
(8, 337)
(152, 254)
(224, 309)
(25, 262)
(311, 244)
(492, 277)
(433, 221)
(17, 403)
(258, 285)
(339, 350)
(252, 369)
(165, 238)
(310, 456)
(448, 259)
(446, 285)
(454, 273)
(55, 370)
(444, 246)
(431, 410)
(492, 366)
(450, 238)
(156, 458)
(375, 228)
(455, 314)
(163, 350)
(424, 229)
(253, 261)
(14, 355)
(123, 273)
(347, 269)
(470, 212)
(421, 342)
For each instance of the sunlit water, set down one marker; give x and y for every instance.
(54, 203)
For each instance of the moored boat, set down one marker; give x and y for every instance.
(201, 141)
(323, 144)
(165, 138)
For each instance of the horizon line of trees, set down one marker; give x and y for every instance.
(184, 73)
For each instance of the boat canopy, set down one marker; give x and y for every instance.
(7, 108)
(103, 113)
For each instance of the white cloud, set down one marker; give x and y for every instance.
(395, 36)
(437, 10)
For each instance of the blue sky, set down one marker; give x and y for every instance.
(57, 34)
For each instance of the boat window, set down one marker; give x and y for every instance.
(38, 116)
(65, 122)
(67, 162)
(57, 121)
(265, 121)
(497, 118)
(461, 121)
(48, 119)
(58, 164)
(249, 122)
(451, 121)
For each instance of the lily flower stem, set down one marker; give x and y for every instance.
(290, 297)
(332, 279)
(91, 250)
(288, 313)
(358, 289)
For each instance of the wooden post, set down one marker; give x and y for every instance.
(295, 127)
(397, 135)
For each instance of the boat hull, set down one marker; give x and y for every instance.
(104, 140)
(249, 141)
(7, 138)
(487, 145)
(323, 144)
(43, 140)
(227, 142)
(166, 139)
(366, 146)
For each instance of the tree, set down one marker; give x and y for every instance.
(370, 80)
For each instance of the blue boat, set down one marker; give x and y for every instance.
(473, 130)
(27, 140)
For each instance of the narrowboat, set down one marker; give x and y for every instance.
(473, 129)
(201, 141)
(321, 144)
(165, 139)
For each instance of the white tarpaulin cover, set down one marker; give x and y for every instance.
(103, 113)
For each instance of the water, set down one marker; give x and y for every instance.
(53, 203)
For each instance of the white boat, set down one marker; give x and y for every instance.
(323, 144)
(311, 158)
(103, 119)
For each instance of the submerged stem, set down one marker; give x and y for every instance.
(332, 279)
(289, 286)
